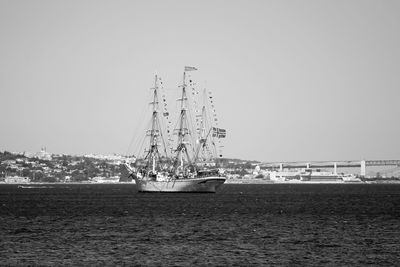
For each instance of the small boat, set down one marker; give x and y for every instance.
(189, 166)
(350, 178)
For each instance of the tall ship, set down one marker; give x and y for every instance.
(182, 159)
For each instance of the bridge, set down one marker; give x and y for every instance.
(362, 164)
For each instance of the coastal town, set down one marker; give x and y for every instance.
(45, 167)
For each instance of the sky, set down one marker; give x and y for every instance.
(291, 80)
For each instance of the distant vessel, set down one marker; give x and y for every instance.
(350, 178)
(319, 176)
(183, 168)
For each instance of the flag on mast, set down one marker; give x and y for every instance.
(187, 68)
(218, 132)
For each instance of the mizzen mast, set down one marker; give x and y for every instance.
(203, 130)
(155, 130)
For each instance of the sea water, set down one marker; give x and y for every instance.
(270, 224)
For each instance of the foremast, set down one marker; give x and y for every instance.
(153, 155)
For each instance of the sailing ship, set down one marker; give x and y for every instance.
(190, 165)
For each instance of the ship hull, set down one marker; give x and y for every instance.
(194, 185)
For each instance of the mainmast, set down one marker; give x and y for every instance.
(183, 130)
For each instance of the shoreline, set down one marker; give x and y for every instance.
(260, 181)
(228, 181)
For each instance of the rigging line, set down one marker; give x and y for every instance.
(211, 111)
(166, 120)
(165, 143)
(192, 101)
(144, 138)
(209, 152)
(162, 136)
(213, 122)
(161, 127)
(137, 143)
(195, 100)
(215, 147)
(208, 121)
(189, 118)
(199, 115)
(177, 121)
(138, 127)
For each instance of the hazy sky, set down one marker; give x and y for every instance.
(292, 80)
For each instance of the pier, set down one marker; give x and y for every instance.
(362, 164)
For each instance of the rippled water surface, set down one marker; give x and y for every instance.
(272, 224)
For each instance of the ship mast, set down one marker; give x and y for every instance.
(183, 130)
(154, 131)
(203, 134)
